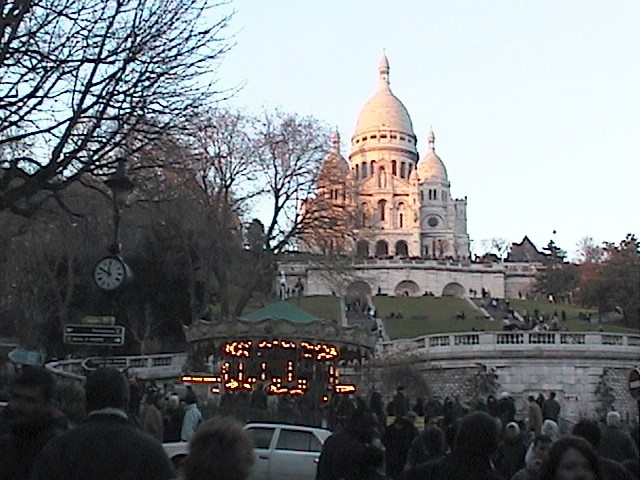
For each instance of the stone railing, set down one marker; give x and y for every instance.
(474, 344)
(147, 367)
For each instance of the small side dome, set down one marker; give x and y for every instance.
(335, 161)
(431, 168)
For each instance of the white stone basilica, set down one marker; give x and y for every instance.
(404, 201)
(399, 223)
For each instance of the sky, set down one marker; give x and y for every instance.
(535, 105)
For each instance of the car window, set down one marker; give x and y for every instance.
(261, 436)
(298, 441)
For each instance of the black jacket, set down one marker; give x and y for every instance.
(104, 447)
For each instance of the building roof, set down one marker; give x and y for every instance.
(384, 111)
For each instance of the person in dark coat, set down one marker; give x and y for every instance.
(397, 440)
(28, 423)
(511, 451)
(615, 443)
(172, 419)
(428, 446)
(551, 408)
(345, 453)
(106, 446)
(475, 444)
(590, 431)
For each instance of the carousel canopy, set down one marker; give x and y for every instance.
(281, 320)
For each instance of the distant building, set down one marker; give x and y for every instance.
(390, 211)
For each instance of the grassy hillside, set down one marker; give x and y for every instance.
(574, 322)
(407, 317)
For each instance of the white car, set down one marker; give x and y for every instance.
(283, 451)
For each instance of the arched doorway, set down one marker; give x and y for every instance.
(382, 248)
(359, 288)
(402, 249)
(454, 289)
(362, 249)
(407, 288)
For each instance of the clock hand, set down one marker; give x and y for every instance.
(102, 269)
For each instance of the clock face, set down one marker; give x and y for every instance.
(433, 222)
(110, 273)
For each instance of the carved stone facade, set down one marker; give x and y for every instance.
(390, 210)
(398, 204)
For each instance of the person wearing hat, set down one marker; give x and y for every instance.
(511, 451)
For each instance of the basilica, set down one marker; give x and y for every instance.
(389, 208)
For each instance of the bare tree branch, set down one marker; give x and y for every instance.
(82, 81)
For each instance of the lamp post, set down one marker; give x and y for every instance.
(121, 186)
(112, 273)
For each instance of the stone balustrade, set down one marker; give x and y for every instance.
(477, 344)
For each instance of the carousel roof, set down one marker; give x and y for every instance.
(281, 320)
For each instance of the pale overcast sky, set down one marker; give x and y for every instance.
(535, 105)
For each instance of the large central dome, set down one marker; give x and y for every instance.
(384, 111)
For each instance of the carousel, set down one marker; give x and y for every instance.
(278, 351)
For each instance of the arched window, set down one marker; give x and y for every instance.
(363, 214)
(362, 249)
(373, 168)
(382, 178)
(403, 170)
(365, 170)
(394, 168)
(402, 249)
(382, 248)
(400, 210)
(358, 172)
(382, 207)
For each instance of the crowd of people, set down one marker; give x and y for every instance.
(113, 442)
(118, 440)
(484, 442)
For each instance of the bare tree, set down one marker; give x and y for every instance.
(588, 251)
(85, 81)
(289, 152)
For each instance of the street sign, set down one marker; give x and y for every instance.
(634, 383)
(26, 357)
(94, 335)
(98, 320)
(92, 363)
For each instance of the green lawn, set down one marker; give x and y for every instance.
(427, 315)
(417, 316)
(573, 323)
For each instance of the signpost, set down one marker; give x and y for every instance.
(112, 336)
(98, 320)
(92, 363)
(634, 385)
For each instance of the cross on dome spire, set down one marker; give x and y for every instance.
(335, 141)
(383, 68)
(432, 140)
